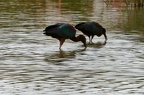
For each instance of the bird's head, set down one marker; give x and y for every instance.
(104, 33)
(82, 39)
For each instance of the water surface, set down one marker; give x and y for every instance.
(31, 63)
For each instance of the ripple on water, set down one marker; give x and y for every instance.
(31, 63)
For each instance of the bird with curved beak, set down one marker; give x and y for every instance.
(91, 29)
(63, 31)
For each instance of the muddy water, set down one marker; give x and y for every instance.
(32, 64)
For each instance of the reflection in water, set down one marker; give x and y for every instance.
(134, 21)
(59, 4)
(59, 56)
(30, 63)
(97, 44)
(128, 3)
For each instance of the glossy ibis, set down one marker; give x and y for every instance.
(91, 29)
(63, 31)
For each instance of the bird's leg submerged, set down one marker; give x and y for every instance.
(62, 40)
(91, 39)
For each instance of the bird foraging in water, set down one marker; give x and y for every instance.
(63, 31)
(91, 29)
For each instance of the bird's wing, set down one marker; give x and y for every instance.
(51, 28)
(60, 30)
(90, 28)
(82, 26)
(67, 31)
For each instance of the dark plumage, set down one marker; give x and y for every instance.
(63, 31)
(91, 29)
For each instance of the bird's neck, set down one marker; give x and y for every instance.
(79, 38)
(75, 39)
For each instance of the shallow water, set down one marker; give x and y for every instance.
(31, 63)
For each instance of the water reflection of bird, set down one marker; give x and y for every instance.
(63, 31)
(91, 29)
(97, 44)
(59, 56)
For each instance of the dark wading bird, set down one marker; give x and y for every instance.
(63, 31)
(91, 29)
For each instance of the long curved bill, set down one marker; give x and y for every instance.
(105, 36)
(85, 46)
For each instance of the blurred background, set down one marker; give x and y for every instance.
(31, 63)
